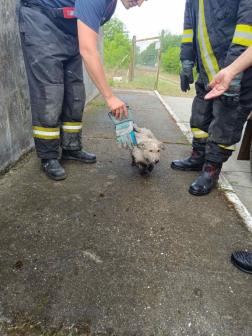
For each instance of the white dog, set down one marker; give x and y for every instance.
(147, 153)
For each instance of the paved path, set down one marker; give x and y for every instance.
(237, 172)
(108, 252)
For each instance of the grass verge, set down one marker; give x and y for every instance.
(145, 78)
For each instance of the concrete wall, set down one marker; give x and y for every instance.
(15, 117)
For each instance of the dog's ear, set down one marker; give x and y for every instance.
(161, 145)
(142, 145)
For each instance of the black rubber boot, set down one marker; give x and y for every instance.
(243, 261)
(196, 161)
(207, 179)
(53, 169)
(193, 163)
(79, 155)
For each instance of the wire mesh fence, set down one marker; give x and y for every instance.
(146, 58)
(144, 64)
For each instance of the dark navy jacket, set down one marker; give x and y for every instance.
(94, 13)
(216, 32)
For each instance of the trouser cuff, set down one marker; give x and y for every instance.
(47, 149)
(47, 156)
(71, 141)
(216, 153)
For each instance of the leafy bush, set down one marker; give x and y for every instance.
(171, 60)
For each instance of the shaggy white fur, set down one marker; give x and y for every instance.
(147, 153)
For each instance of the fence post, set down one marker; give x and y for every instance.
(159, 59)
(132, 62)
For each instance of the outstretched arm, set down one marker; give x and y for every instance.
(222, 81)
(88, 39)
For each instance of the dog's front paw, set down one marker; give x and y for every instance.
(143, 171)
(150, 167)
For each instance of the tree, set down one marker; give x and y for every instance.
(149, 56)
(171, 40)
(113, 27)
(116, 43)
(171, 60)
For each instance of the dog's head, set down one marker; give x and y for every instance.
(151, 150)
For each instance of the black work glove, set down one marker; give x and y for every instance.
(231, 97)
(186, 75)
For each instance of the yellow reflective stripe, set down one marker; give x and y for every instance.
(71, 130)
(198, 133)
(211, 67)
(188, 31)
(42, 129)
(47, 137)
(244, 28)
(207, 41)
(205, 65)
(187, 40)
(243, 35)
(71, 127)
(72, 124)
(242, 41)
(201, 136)
(46, 133)
(233, 147)
(188, 36)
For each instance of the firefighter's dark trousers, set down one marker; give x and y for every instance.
(214, 125)
(54, 71)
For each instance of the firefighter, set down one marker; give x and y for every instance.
(241, 259)
(216, 32)
(55, 36)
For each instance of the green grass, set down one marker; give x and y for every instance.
(167, 89)
(97, 104)
(160, 331)
(144, 79)
(143, 82)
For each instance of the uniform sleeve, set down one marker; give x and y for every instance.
(243, 33)
(90, 12)
(187, 52)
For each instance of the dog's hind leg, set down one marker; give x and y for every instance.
(133, 164)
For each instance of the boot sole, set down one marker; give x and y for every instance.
(239, 267)
(185, 169)
(81, 160)
(192, 192)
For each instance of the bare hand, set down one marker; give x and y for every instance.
(220, 84)
(117, 107)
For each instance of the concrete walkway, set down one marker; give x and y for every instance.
(236, 172)
(109, 252)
